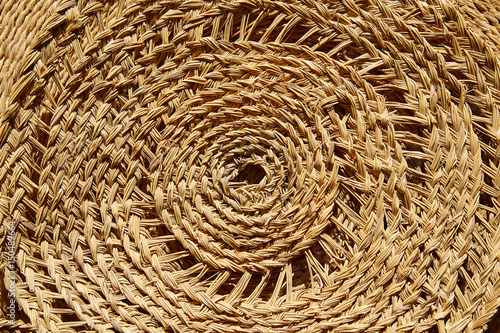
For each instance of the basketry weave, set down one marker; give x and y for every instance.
(251, 166)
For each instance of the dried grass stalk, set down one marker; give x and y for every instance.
(251, 166)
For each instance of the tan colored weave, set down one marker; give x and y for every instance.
(251, 166)
(21, 24)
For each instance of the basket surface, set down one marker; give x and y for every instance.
(252, 166)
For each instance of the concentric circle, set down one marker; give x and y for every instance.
(257, 166)
(211, 203)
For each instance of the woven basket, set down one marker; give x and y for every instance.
(250, 166)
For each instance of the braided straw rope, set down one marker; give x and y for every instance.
(252, 165)
(21, 23)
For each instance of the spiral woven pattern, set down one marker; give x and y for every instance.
(256, 166)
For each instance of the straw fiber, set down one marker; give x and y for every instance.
(251, 165)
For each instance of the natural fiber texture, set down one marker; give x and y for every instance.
(253, 166)
(21, 23)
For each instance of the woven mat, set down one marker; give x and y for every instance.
(250, 166)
